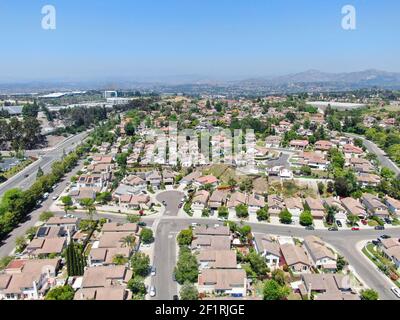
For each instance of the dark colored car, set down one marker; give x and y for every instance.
(385, 236)
(142, 224)
(310, 228)
(333, 229)
(175, 297)
(388, 221)
(379, 228)
(339, 223)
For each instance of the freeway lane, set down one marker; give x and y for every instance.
(45, 162)
(8, 244)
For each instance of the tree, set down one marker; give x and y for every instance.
(119, 259)
(369, 294)
(242, 211)
(67, 202)
(262, 214)
(305, 170)
(130, 129)
(185, 237)
(61, 293)
(146, 235)
(223, 212)
(140, 264)
(131, 218)
(274, 291)
(46, 215)
(279, 276)
(128, 241)
(285, 217)
(89, 206)
(353, 219)
(330, 216)
(258, 264)
(20, 244)
(306, 218)
(137, 286)
(189, 292)
(75, 261)
(103, 197)
(40, 173)
(321, 188)
(186, 269)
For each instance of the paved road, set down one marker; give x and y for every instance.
(344, 241)
(172, 199)
(21, 181)
(373, 148)
(8, 244)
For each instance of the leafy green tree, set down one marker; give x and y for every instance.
(75, 261)
(369, 294)
(103, 197)
(140, 263)
(186, 269)
(131, 218)
(128, 241)
(285, 217)
(119, 259)
(353, 219)
(39, 173)
(185, 237)
(242, 211)
(61, 293)
(258, 264)
(146, 235)
(262, 214)
(137, 286)
(306, 218)
(189, 292)
(279, 276)
(274, 291)
(20, 244)
(223, 212)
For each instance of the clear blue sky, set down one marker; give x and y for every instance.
(140, 39)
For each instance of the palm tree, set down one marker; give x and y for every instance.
(89, 206)
(128, 241)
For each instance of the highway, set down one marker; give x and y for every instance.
(27, 177)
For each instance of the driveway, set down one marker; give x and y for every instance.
(172, 200)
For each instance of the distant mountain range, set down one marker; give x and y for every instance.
(308, 81)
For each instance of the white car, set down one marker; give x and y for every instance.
(55, 198)
(152, 291)
(396, 291)
(194, 224)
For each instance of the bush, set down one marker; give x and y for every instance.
(146, 235)
(44, 216)
(242, 211)
(306, 218)
(285, 217)
(61, 293)
(223, 212)
(185, 237)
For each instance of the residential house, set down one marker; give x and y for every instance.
(326, 287)
(341, 212)
(393, 205)
(217, 259)
(298, 144)
(390, 248)
(217, 199)
(295, 207)
(154, 179)
(269, 249)
(28, 279)
(321, 256)
(354, 207)
(232, 282)
(255, 202)
(135, 202)
(199, 200)
(275, 204)
(316, 207)
(324, 145)
(273, 141)
(374, 205)
(368, 180)
(295, 258)
(206, 180)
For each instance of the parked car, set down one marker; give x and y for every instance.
(396, 291)
(153, 271)
(355, 229)
(333, 229)
(379, 228)
(26, 176)
(55, 198)
(339, 224)
(384, 237)
(388, 221)
(152, 291)
(194, 224)
(375, 242)
(175, 297)
(180, 205)
(142, 224)
(364, 222)
(310, 228)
